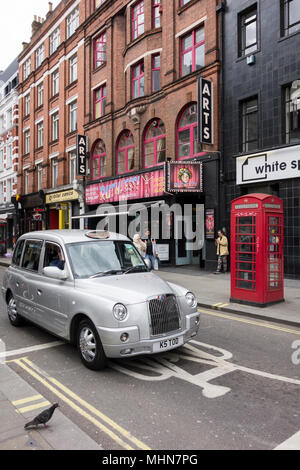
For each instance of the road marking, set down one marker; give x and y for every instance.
(27, 400)
(29, 367)
(215, 305)
(36, 406)
(251, 322)
(293, 443)
(37, 347)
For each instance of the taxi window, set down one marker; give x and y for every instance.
(31, 255)
(18, 253)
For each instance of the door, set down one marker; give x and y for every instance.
(183, 231)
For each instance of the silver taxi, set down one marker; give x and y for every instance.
(96, 291)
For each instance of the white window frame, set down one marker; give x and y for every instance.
(27, 104)
(72, 166)
(73, 116)
(40, 94)
(55, 83)
(40, 134)
(55, 125)
(54, 40)
(54, 164)
(39, 55)
(26, 69)
(27, 142)
(40, 175)
(73, 68)
(72, 22)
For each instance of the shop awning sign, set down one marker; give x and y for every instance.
(276, 164)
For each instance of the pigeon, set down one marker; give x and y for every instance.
(43, 417)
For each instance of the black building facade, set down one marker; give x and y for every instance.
(261, 109)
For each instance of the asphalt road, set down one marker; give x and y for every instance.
(234, 387)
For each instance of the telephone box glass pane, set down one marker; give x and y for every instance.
(274, 253)
(245, 253)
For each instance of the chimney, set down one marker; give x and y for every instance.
(35, 25)
(24, 44)
(50, 9)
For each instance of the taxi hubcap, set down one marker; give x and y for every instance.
(12, 310)
(87, 344)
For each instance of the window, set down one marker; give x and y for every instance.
(138, 80)
(72, 161)
(8, 190)
(1, 158)
(73, 116)
(290, 16)
(125, 152)
(100, 50)
(292, 112)
(73, 69)
(9, 118)
(26, 69)
(137, 21)
(248, 32)
(72, 22)
(98, 3)
(184, 2)
(26, 182)
(18, 252)
(55, 123)
(40, 94)
(155, 143)
(8, 155)
(99, 101)
(54, 172)
(40, 176)
(99, 160)
(31, 257)
(40, 134)
(27, 142)
(155, 72)
(27, 104)
(54, 40)
(188, 145)
(250, 124)
(192, 51)
(1, 192)
(55, 83)
(39, 55)
(156, 8)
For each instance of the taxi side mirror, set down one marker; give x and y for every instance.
(55, 273)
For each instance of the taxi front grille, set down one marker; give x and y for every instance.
(164, 313)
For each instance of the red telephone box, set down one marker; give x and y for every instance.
(257, 250)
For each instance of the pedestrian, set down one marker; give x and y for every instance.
(139, 245)
(151, 251)
(222, 251)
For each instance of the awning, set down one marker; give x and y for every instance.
(119, 210)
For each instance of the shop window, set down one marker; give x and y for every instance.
(290, 17)
(125, 152)
(248, 39)
(137, 20)
(292, 112)
(187, 144)
(192, 51)
(99, 160)
(155, 143)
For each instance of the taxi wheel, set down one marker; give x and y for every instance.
(14, 318)
(90, 346)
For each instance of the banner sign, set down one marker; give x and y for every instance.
(81, 154)
(276, 164)
(205, 111)
(185, 177)
(140, 186)
(210, 224)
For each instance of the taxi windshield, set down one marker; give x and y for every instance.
(103, 258)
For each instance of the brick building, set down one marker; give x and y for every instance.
(142, 62)
(51, 114)
(8, 153)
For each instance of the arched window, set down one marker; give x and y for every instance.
(98, 160)
(187, 145)
(155, 143)
(125, 152)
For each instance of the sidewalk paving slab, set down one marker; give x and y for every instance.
(60, 434)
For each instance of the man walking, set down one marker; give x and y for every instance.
(222, 251)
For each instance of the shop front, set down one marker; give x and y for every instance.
(7, 230)
(32, 215)
(174, 199)
(61, 206)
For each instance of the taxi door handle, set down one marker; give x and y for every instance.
(17, 284)
(39, 292)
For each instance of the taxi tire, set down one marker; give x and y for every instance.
(100, 361)
(16, 319)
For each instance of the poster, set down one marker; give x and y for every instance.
(185, 177)
(210, 224)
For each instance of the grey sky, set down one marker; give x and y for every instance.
(15, 25)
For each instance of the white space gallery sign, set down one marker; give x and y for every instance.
(276, 164)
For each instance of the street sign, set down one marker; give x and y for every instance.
(81, 154)
(205, 111)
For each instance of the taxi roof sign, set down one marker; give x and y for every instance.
(98, 234)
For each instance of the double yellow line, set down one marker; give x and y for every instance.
(82, 407)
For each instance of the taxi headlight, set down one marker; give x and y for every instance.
(190, 299)
(120, 312)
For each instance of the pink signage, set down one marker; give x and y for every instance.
(140, 186)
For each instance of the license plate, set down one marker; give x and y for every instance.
(166, 344)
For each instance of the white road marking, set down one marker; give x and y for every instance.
(37, 347)
(293, 443)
